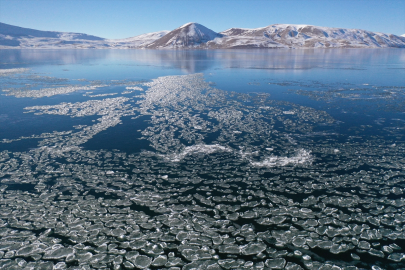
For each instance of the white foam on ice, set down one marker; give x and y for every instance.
(196, 149)
(302, 156)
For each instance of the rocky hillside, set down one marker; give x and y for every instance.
(197, 36)
(306, 36)
(190, 35)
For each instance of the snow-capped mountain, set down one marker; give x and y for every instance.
(20, 32)
(307, 36)
(189, 35)
(15, 36)
(138, 41)
(19, 37)
(197, 36)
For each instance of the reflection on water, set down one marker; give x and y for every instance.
(193, 61)
(17, 57)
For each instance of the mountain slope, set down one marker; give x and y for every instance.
(308, 36)
(190, 35)
(19, 37)
(15, 31)
(15, 36)
(197, 36)
(138, 41)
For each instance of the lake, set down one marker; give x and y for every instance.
(202, 159)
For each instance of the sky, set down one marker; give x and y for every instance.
(128, 18)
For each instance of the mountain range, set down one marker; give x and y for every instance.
(197, 36)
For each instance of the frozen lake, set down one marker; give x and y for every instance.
(227, 159)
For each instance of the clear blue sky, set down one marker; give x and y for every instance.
(127, 18)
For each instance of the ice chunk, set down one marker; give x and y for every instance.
(275, 263)
(364, 245)
(293, 266)
(159, 260)
(253, 248)
(142, 261)
(58, 253)
(397, 257)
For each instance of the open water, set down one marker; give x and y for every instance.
(227, 159)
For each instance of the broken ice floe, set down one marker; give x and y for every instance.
(223, 204)
(302, 157)
(5, 72)
(48, 92)
(137, 88)
(80, 109)
(103, 95)
(197, 149)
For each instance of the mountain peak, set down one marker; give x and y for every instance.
(189, 23)
(196, 36)
(188, 35)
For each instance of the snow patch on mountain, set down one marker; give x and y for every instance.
(137, 41)
(154, 35)
(20, 32)
(308, 36)
(189, 35)
(186, 24)
(14, 36)
(196, 36)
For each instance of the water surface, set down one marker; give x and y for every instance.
(227, 159)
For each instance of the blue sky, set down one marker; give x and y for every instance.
(127, 18)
